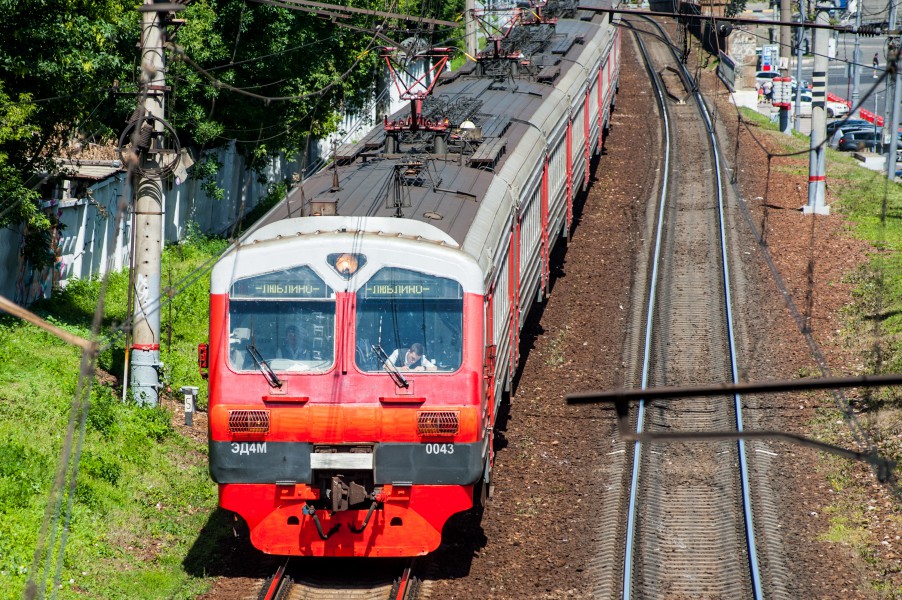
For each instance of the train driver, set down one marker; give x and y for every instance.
(291, 347)
(413, 359)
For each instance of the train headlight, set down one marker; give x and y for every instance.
(346, 264)
(438, 422)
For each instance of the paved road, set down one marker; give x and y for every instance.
(839, 80)
(839, 76)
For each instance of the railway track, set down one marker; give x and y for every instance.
(691, 528)
(303, 580)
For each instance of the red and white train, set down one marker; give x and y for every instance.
(362, 335)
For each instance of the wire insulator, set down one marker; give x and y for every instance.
(870, 30)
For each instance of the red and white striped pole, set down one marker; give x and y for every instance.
(783, 101)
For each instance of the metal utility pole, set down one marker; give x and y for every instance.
(470, 26)
(856, 59)
(785, 53)
(817, 158)
(148, 217)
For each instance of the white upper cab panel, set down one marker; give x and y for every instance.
(384, 241)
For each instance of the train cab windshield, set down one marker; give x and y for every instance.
(285, 317)
(411, 320)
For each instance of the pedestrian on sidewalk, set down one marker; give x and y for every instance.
(876, 63)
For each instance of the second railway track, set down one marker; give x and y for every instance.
(689, 530)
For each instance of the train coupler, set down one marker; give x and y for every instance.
(366, 521)
(311, 512)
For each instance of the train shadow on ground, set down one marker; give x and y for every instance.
(532, 328)
(222, 549)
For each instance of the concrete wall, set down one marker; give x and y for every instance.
(742, 45)
(96, 236)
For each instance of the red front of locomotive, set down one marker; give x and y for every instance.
(347, 411)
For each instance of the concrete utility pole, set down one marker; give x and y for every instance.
(803, 16)
(470, 26)
(893, 128)
(785, 33)
(148, 220)
(817, 158)
(893, 98)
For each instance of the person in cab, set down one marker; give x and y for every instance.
(413, 359)
(291, 347)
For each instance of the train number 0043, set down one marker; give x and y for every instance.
(439, 448)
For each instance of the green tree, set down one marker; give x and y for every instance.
(58, 59)
(268, 78)
(295, 72)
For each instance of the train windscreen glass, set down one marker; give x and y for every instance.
(287, 317)
(411, 319)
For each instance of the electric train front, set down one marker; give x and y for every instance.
(347, 415)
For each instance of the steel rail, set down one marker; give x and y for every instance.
(646, 358)
(754, 568)
(633, 498)
(275, 588)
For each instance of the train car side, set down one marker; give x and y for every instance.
(372, 424)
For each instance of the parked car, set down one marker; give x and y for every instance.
(849, 124)
(834, 109)
(856, 141)
(833, 140)
(762, 76)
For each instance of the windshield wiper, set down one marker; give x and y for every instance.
(392, 369)
(264, 367)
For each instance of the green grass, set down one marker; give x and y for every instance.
(143, 493)
(872, 324)
(556, 351)
(874, 208)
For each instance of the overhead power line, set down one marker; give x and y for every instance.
(365, 11)
(872, 30)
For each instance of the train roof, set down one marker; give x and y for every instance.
(468, 196)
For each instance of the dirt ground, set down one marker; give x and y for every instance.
(537, 535)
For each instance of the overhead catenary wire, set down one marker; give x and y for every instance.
(187, 285)
(201, 269)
